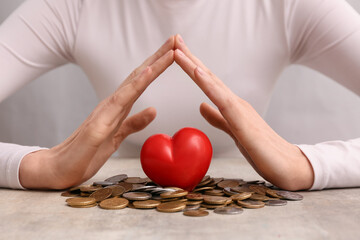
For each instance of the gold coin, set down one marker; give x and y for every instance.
(228, 183)
(117, 190)
(202, 189)
(214, 192)
(114, 203)
(215, 199)
(85, 194)
(259, 197)
(146, 204)
(171, 207)
(258, 189)
(196, 213)
(241, 189)
(69, 194)
(89, 188)
(251, 204)
(194, 196)
(212, 206)
(175, 194)
(241, 196)
(128, 186)
(79, 201)
(101, 194)
(168, 199)
(85, 206)
(190, 203)
(272, 193)
(136, 180)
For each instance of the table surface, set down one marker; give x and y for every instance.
(329, 214)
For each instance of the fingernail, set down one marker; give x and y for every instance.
(181, 40)
(180, 52)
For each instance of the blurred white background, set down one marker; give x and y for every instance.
(306, 107)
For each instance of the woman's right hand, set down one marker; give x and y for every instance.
(81, 155)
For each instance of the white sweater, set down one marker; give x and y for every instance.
(245, 43)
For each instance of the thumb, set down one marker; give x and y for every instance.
(215, 118)
(136, 123)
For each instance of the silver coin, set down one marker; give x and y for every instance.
(193, 207)
(142, 188)
(103, 183)
(228, 210)
(290, 195)
(117, 178)
(228, 191)
(134, 196)
(276, 203)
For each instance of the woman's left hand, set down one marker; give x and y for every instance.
(275, 159)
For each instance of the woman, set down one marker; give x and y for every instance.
(247, 43)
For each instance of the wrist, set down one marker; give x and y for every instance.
(34, 170)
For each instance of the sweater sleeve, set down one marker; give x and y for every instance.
(36, 38)
(325, 35)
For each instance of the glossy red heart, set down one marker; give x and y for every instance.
(179, 161)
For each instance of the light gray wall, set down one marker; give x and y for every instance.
(306, 107)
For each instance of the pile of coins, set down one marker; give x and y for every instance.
(224, 196)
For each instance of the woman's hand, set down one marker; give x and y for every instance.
(276, 160)
(80, 156)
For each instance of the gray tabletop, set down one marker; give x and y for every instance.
(330, 214)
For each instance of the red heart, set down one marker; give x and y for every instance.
(179, 161)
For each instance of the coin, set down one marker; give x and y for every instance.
(256, 182)
(117, 178)
(69, 194)
(103, 183)
(228, 191)
(80, 201)
(175, 194)
(192, 207)
(228, 210)
(135, 196)
(171, 207)
(215, 199)
(101, 194)
(127, 186)
(290, 195)
(241, 189)
(137, 180)
(114, 203)
(260, 189)
(241, 196)
(89, 188)
(143, 188)
(196, 213)
(276, 203)
(204, 182)
(205, 178)
(202, 189)
(117, 190)
(272, 193)
(194, 196)
(85, 206)
(251, 204)
(147, 204)
(192, 202)
(212, 206)
(217, 180)
(259, 197)
(214, 192)
(228, 183)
